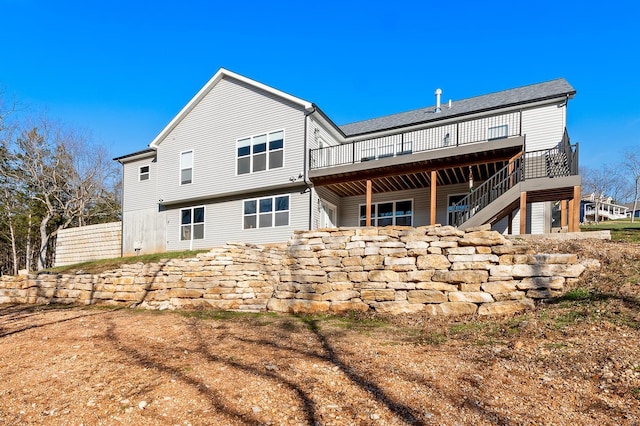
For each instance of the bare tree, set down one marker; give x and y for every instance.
(63, 174)
(631, 165)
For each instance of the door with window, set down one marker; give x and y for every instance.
(328, 215)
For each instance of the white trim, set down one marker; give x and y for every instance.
(323, 213)
(273, 211)
(193, 160)
(204, 221)
(375, 217)
(308, 106)
(148, 173)
(267, 151)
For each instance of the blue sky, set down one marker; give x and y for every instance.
(123, 69)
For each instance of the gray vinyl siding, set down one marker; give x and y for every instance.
(322, 193)
(138, 194)
(224, 222)
(230, 111)
(316, 131)
(543, 126)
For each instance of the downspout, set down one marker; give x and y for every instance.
(306, 165)
(122, 212)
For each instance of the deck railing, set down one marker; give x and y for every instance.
(432, 138)
(561, 160)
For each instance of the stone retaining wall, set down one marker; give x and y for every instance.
(435, 270)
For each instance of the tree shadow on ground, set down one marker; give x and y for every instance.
(12, 316)
(215, 399)
(303, 391)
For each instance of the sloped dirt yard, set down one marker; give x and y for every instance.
(575, 361)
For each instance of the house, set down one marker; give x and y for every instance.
(605, 209)
(630, 209)
(243, 161)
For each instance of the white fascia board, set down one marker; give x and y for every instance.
(308, 106)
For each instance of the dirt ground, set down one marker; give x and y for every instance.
(574, 361)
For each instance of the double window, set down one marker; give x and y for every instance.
(144, 173)
(260, 152)
(498, 132)
(186, 167)
(389, 213)
(192, 224)
(266, 212)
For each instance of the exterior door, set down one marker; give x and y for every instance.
(328, 215)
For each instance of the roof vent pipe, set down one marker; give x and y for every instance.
(438, 93)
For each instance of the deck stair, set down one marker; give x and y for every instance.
(545, 175)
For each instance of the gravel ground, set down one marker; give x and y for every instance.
(575, 361)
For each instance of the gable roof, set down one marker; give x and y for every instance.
(135, 155)
(520, 95)
(210, 85)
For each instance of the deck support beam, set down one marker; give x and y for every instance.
(523, 213)
(574, 211)
(432, 213)
(563, 214)
(368, 219)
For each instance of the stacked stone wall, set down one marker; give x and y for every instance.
(434, 270)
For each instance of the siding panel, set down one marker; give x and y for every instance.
(543, 126)
(231, 110)
(224, 220)
(139, 194)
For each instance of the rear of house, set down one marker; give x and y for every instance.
(246, 162)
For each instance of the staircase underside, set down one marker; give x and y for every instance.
(537, 190)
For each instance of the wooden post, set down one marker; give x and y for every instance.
(510, 224)
(512, 168)
(563, 214)
(368, 220)
(575, 212)
(523, 213)
(571, 225)
(434, 178)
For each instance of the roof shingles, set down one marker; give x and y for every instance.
(519, 95)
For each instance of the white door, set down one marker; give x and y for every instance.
(328, 215)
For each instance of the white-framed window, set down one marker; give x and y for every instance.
(265, 212)
(498, 132)
(143, 173)
(260, 152)
(388, 213)
(186, 167)
(192, 223)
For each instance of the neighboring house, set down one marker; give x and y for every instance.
(630, 211)
(246, 162)
(605, 209)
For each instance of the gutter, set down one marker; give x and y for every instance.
(305, 169)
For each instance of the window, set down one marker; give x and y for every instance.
(192, 224)
(498, 132)
(390, 213)
(260, 152)
(186, 167)
(144, 173)
(266, 212)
